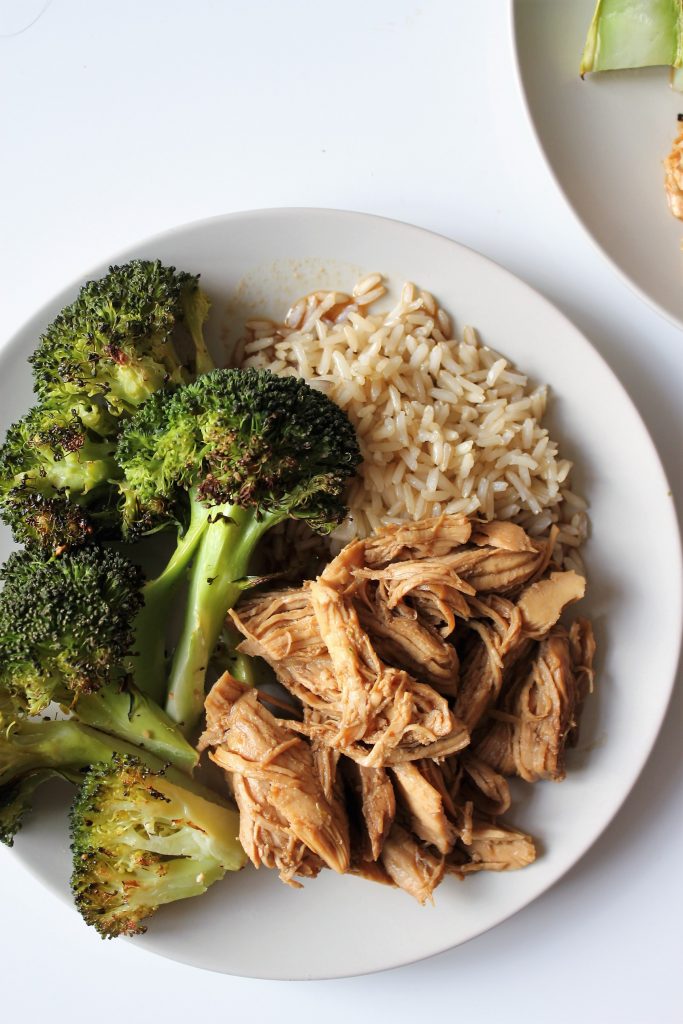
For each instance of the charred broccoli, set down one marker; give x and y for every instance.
(116, 343)
(57, 480)
(66, 635)
(143, 837)
(234, 453)
(103, 356)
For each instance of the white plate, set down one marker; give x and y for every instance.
(604, 139)
(251, 924)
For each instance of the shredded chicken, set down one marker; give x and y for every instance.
(371, 871)
(428, 538)
(412, 578)
(498, 630)
(542, 603)
(427, 665)
(374, 713)
(582, 649)
(498, 570)
(488, 790)
(402, 639)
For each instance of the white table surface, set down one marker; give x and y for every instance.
(121, 118)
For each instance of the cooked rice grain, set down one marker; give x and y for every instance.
(444, 425)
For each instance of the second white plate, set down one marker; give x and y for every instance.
(605, 139)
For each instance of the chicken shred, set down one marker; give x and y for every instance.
(428, 538)
(542, 603)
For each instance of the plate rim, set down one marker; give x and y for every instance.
(674, 533)
(513, 35)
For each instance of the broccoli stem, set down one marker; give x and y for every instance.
(203, 362)
(148, 664)
(633, 34)
(196, 309)
(216, 583)
(125, 712)
(16, 799)
(39, 745)
(68, 746)
(225, 657)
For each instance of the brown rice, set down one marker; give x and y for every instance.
(445, 425)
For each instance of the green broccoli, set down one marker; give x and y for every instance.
(115, 345)
(31, 752)
(66, 635)
(236, 452)
(57, 480)
(142, 838)
(98, 361)
(52, 524)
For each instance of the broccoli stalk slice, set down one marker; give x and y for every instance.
(142, 838)
(216, 583)
(148, 664)
(633, 34)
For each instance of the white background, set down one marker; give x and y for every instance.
(121, 118)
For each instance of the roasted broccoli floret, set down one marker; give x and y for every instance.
(66, 635)
(53, 524)
(116, 343)
(50, 452)
(102, 357)
(236, 452)
(57, 480)
(142, 838)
